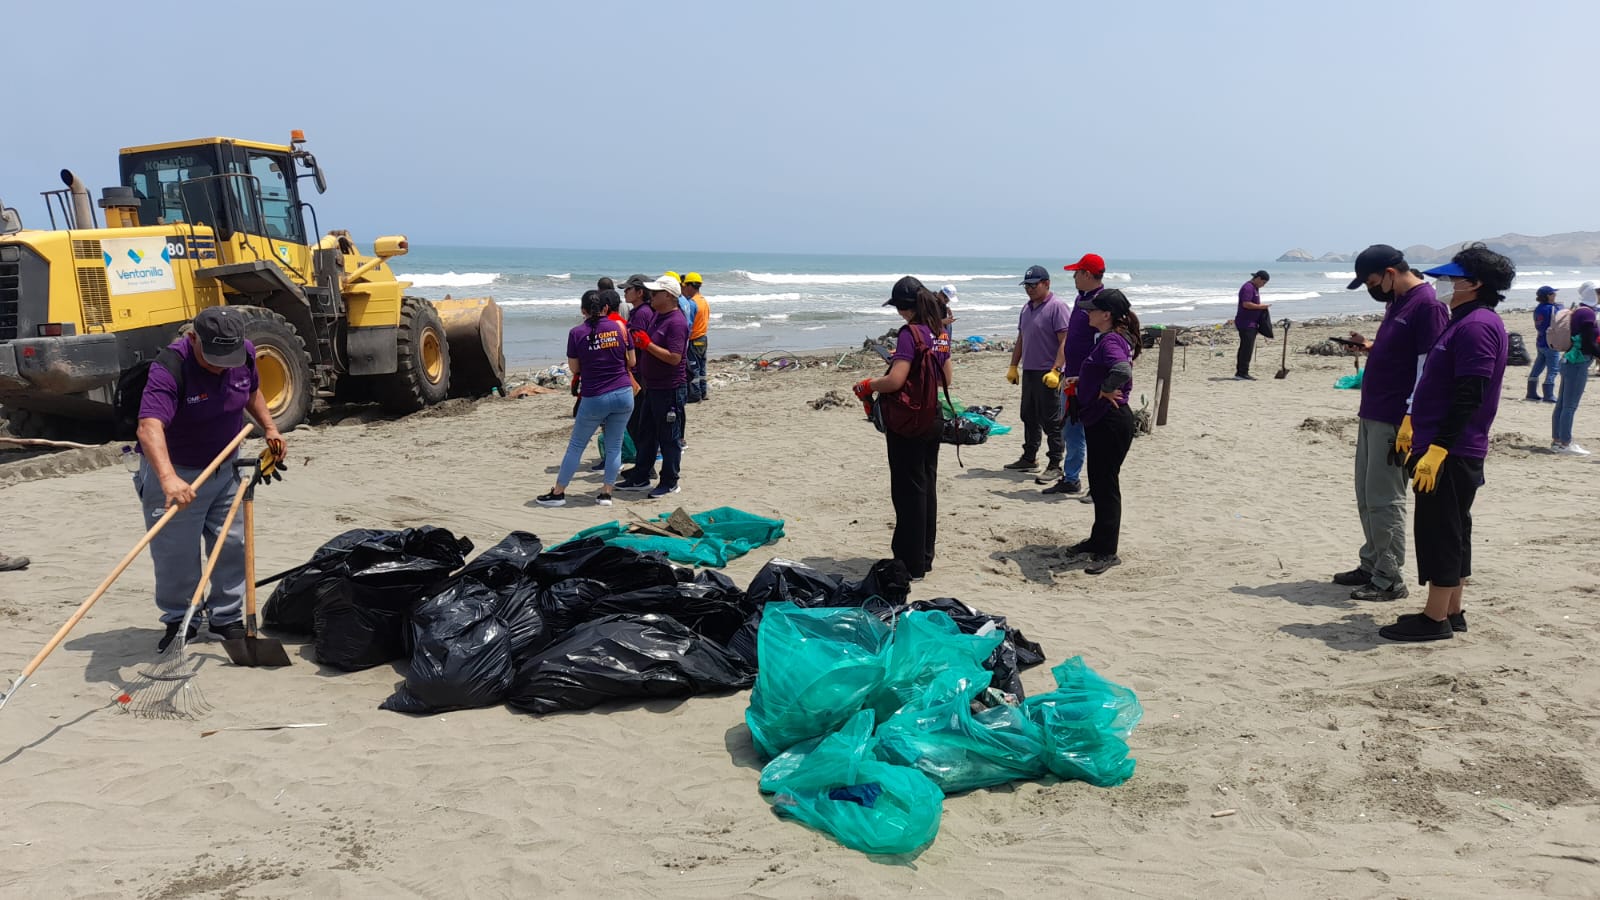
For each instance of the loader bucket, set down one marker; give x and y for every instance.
(472, 326)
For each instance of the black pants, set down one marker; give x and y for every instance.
(1041, 409)
(1108, 441)
(913, 476)
(1443, 523)
(1247, 349)
(659, 430)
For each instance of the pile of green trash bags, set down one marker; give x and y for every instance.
(868, 726)
(729, 534)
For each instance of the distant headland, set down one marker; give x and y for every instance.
(1574, 248)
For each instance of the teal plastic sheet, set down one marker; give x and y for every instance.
(835, 785)
(729, 534)
(955, 408)
(818, 667)
(1086, 721)
(959, 749)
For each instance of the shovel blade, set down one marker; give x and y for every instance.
(1282, 373)
(257, 652)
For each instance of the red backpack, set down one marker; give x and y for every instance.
(913, 411)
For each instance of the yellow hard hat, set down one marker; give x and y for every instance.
(670, 274)
(692, 278)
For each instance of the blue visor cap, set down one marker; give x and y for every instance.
(1447, 270)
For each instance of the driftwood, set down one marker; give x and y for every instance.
(44, 444)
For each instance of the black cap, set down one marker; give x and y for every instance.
(1112, 301)
(635, 281)
(221, 334)
(1262, 274)
(1035, 274)
(1373, 260)
(905, 292)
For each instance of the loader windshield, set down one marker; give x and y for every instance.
(157, 178)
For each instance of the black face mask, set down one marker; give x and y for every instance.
(1379, 294)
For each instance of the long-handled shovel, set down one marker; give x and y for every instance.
(252, 649)
(121, 566)
(1283, 369)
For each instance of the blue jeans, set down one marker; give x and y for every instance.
(610, 410)
(1573, 378)
(1077, 448)
(698, 390)
(177, 550)
(1548, 361)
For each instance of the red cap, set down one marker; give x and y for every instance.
(1091, 263)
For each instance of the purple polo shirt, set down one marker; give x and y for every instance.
(671, 330)
(1040, 325)
(1248, 319)
(1474, 345)
(640, 318)
(1411, 325)
(1109, 349)
(601, 350)
(905, 345)
(1080, 334)
(210, 412)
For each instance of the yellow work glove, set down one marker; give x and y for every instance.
(1014, 375)
(1052, 379)
(1402, 438)
(271, 466)
(1427, 476)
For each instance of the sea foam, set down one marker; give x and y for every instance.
(450, 279)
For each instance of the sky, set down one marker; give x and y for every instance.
(1164, 130)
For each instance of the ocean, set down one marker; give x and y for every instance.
(770, 302)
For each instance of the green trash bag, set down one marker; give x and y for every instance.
(1086, 721)
(834, 785)
(926, 644)
(818, 667)
(628, 453)
(959, 749)
(954, 407)
(1350, 382)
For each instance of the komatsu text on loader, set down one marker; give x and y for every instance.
(219, 221)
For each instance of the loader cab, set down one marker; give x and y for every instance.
(232, 186)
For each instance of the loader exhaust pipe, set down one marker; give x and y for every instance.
(82, 210)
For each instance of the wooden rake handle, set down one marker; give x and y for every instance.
(61, 635)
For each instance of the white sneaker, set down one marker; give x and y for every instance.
(1574, 450)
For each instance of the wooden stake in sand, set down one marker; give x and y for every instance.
(1169, 343)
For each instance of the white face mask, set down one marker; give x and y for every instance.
(1444, 289)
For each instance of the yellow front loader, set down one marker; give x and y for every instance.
(219, 221)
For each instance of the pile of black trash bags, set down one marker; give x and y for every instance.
(565, 628)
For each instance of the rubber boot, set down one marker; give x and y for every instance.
(1533, 389)
(1549, 393)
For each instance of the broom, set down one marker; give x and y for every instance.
(168, 689)
(122, 566)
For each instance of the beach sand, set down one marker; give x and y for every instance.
(1356, 768)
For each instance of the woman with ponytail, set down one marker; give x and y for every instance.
(914, 459)
(599, 354)
(1104, 383)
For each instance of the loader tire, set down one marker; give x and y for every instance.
(422, 360)
(26, 423)
(283, 365)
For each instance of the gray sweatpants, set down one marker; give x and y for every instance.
(1381, 502)
(180, 549)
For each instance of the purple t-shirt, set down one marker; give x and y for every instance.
(905, 345)
(1109, 349)
(601, 350)
(1040, 325)
(1474, 345)
(1080, 334)
(1248, 319)
(1411, 325)
(641, 317)
(671, 330)
(210, 412)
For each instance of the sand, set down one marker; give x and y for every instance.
(1465, 768)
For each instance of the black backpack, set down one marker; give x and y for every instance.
(1517, 351)
(130, 386)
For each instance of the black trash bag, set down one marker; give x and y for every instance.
(621, 657)
(1008, 660)
(567, 604)
(785, 581)
(704, 610)
(363, 604)
(508, 564)
(883, 590)
(1516, 350)
(619, 568)
(525, 628)
(293, 604)
(887, 585)
(352, 637)
(461, 658)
